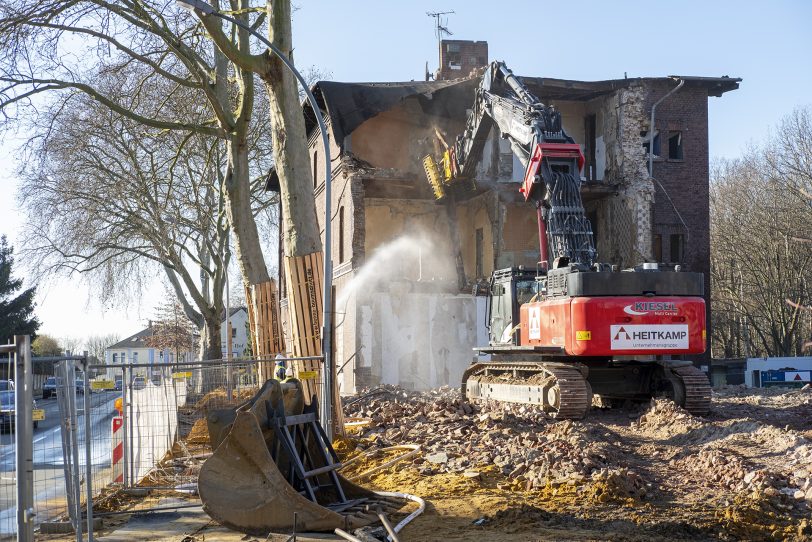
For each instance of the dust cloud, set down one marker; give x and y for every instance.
(415, 257)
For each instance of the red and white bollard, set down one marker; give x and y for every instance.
(118, 449)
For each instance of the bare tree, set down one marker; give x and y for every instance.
(96, 345)
(150, 44)
(172, 330)
(118, 201)
(790, 160)
(291, 157)
(756, 264)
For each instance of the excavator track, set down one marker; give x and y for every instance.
(561, 391)
(697, 397)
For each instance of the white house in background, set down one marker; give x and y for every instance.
(134, 350)
(239, 332)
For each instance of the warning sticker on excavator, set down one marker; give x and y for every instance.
(583, 335)
(534, 319)
(645, 337)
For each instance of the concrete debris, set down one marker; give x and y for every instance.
(457, 436)
(739, 450)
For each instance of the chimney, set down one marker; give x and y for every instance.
(458, 58)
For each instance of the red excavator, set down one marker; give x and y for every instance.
(572, 330)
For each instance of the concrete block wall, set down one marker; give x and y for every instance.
(418, 340)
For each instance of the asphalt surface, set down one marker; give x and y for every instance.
(49, 478)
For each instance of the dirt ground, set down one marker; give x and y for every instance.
(502, 473)
(650, 472)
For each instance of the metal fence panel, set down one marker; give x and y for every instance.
(163, 432)
(31, 443)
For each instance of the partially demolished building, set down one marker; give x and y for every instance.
(407, 271)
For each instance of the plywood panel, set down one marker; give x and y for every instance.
(304, 276)
(264, 319)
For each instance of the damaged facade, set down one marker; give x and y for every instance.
(407, 270)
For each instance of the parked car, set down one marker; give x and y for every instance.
(80, 386)
(119, 383)
(139, 383)
(8, 414)
(49, 387)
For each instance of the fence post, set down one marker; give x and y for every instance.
(24, 439)
(131, 430)
(88, 451)
(64, 421)
(126, 421)
(74, 446)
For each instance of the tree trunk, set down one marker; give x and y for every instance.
(241, 217)
(210, 341)
(291, 156)
(210, 348)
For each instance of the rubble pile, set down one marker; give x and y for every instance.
(716, 468)
(720, 462)
(744, 471)
(529, 448)
(665, 417)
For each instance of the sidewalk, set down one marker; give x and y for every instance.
(189, 525)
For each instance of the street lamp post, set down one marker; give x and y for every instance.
(198, 7)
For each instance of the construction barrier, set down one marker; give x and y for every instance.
(118, 449)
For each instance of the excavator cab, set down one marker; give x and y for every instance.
(509, 289)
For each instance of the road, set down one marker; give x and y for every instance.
(49, 477)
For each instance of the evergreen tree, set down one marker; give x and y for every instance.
(16, 310)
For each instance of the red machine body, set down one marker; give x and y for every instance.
(616, 326)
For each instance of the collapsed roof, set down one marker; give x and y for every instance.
(348, 105)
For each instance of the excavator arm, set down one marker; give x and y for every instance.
(551, 158)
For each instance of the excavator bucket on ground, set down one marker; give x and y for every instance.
(273, 469)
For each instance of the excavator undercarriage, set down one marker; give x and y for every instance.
(568, 390)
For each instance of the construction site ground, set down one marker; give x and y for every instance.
(648, 472)
(509, 472)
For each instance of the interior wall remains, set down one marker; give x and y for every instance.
(624, 219)
(400, 137)
(417, 340)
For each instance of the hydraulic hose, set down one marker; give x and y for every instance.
(414, 498)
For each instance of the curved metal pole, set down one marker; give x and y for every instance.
(326, 332)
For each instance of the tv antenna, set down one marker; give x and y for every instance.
(440, 24)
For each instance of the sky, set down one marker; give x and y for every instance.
(767, 44)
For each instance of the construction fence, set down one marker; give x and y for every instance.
(116, 439)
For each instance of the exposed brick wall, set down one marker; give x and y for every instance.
(686, 180)
(458, 58)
